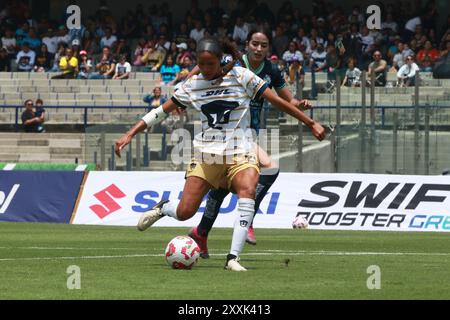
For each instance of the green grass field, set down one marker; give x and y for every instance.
(123, 263)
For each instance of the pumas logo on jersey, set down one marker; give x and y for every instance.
(267, 79)
(217, 92)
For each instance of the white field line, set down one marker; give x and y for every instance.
(258, 253)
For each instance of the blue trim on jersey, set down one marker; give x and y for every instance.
(261, 91)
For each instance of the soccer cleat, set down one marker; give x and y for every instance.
(234, 265)
(251, 236)
(151, 216)
(202, 242)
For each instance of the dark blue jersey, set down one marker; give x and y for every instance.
(270, 73)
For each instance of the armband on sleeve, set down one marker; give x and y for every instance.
(154, 116)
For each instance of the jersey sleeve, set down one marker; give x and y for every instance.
(253, 85)
(277, 78)
(181, 95)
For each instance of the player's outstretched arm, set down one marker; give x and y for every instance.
(154, 116)
(303, 104)
(317, 130)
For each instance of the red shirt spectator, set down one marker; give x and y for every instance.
(427, 56)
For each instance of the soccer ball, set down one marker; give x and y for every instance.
(300, 223)
(182, 252)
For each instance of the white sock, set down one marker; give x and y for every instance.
(246, 210)
(170, 209)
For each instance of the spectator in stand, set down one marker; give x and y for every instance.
(30, 121)
(379, 68)
(406, 76)
(9, 43)
(352, 75)
(182, 35)
(91, 43)
(122, 48)
(318, 57)
(5, 62)
(240, 32)
(186, 67)
(76, 48)
(198, 32)
(153, 59)
(182, 52)
(225, 28)
(295, 71)
(367, 45)
(390, 23)
(22, 33)
(427, 56)
(108, 40)
(63, 35)
(333, 63)
(58, 55)
(139, 51)
(302, 40)
(40, 113)
(398, 60)
(163, 44)
(292, 54)
(43, 59)
(123, 68)
(25, 58)
(169, 71)
(445, 49)
(106, 67)
(51, 41)
(85, 66)
(154, 100)
(410, 27)
(33, 39)
(68, 64)
(280, 41)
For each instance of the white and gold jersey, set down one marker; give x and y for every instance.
(224, 109)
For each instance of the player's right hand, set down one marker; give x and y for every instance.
(121, 143)
(318, 131)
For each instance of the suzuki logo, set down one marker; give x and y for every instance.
(106, 197)
(5, 200)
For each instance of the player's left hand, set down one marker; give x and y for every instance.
(121, 143)
(305, 104)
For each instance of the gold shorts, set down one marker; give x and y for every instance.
(216, 174)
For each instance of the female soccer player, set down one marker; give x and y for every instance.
(258, 46)
(224, 155)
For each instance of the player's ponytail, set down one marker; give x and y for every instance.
(236, 55)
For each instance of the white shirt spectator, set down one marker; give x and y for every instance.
(411, 24)
(65, 39)
(389, 25)
(22, 55)
(52, 44)
(291, 56)
(123, 68)
(398, 59)
(353, 76)
(367, 42)
(197, 34)
(240, 33)
(8, 42)
(108, 42)
(407, 70)
(319, 58)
